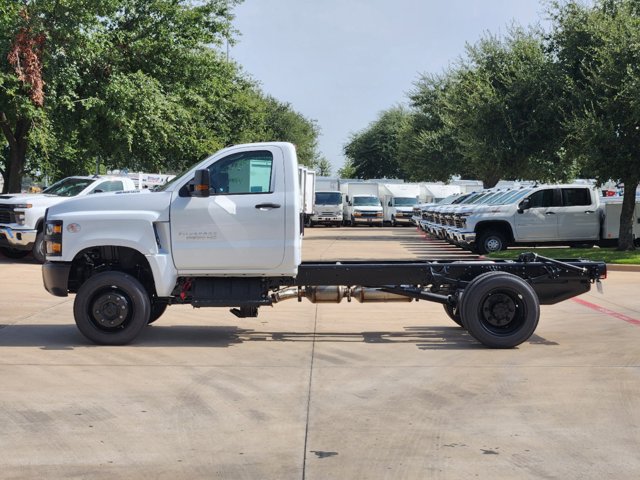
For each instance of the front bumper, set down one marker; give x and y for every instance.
(18, 239)
(55, 276)
(403, 218)
(326, 218)
(368, 220)
(466, 238)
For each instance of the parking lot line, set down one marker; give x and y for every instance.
(606, 311)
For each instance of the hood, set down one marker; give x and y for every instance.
(22, 197)
(145, 202)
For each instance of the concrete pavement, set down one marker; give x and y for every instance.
(304, 391)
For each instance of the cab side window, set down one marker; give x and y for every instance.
(110, 186)
(572, 197)
(541, 199)
(242, 173)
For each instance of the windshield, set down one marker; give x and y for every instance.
(366, 201)
(512, 197)
(405, 201)
(68, 187)
(328, 198)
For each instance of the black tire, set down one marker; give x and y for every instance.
(13, 253)
(352, 223)
(112, 308)
(393, 221)
(39, 252)
(500, 310)
(491, 241)
(454, 313)
(158, 308)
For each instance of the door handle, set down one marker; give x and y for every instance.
(267, 206)
(550, 213)
(588, 211)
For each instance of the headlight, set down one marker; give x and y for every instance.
(19, 212)
(53, 238)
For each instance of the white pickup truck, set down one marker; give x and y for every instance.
(22, 214)
(547, 214)
(227, 233)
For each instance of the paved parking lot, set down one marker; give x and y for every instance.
(304, 391)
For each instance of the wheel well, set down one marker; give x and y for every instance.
(94, 260)
(501, 227)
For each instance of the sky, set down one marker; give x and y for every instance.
(343, 62)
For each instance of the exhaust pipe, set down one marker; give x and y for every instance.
(335, 294)
(363, 294)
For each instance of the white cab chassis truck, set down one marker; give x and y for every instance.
(22, 214)
(227, 233)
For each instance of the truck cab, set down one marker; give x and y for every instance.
(22, 215)
(327, 209)
(399, 210)
(362, 209)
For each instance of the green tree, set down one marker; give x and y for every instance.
(322, 166)
(347, 170)
(118, 80)
(428, 149)
(598, 48)
(374, 151)
(501, 108)
(284, 124)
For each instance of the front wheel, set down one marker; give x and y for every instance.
(112, 308)
(158, 308)
(500, 310)
(39, 253)
(490, 242)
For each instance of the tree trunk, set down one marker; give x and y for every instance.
(17, 152)
(627, 218)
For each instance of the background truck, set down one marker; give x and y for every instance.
(327, 209)
(398, 200)
(227, 234)
(307, 182)
(361, 204)
(546, 215)
(22, 215)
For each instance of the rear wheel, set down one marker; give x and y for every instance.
(453, 312)
(112, 308)
(500, 310)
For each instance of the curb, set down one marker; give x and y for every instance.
(617, 267)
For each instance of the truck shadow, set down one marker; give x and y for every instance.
(67, 337)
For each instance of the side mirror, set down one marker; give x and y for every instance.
(389, 204)
(350, 204)
(201, 184)
(523, 205)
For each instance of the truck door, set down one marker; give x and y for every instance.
(578, 218)
(241, 225)
(540, 220)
